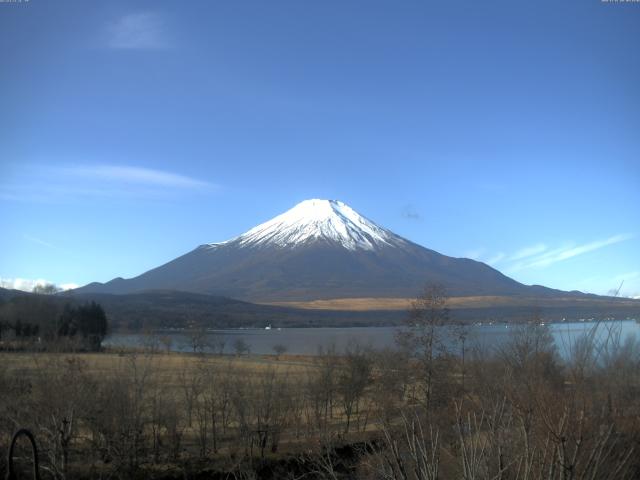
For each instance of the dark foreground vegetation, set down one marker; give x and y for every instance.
(416, 413)
(40, 322)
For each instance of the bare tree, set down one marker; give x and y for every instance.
(322, 386)
(279, 349)
(120, 416)
(353, 379)
(167, 343)
(190, 380)
(198, 339)
(241, 347)
(61, 395)
(46, 289)
(150, 341)
(423, 336)
(391, 382)
(408, 452)
(218, 343)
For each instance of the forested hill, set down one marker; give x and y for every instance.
(173, 309)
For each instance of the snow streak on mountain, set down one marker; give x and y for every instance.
(318, 220)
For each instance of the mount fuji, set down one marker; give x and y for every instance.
(319, 250)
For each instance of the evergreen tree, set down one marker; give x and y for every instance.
(17, 328)
(88, 320)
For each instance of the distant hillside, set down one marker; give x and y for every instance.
(170, 309)
(6, 294)
(173, 309)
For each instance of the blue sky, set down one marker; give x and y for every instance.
(131, 132)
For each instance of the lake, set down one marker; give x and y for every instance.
(306, 341)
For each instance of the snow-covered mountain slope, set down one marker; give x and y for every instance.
(320, 249)
(318, 220)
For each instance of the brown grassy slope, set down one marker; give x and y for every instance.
(171, 365)
(367, 304)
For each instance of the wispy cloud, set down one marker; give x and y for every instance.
(560, 254)
(475, 254)
(625, 276)
(138, 31)
(481, 254)
(540, 256)
(496, 258)
(137, 175)
(63, 184)
(546, 257)
(626, 284)
(38, 241)
(528, 251)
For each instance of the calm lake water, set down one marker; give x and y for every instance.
(307, 341)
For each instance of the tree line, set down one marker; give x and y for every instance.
(48, 321)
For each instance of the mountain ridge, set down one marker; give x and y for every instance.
(319, 249)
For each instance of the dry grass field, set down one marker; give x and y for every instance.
(136, 409)
(170, 367)
(367, 304)
(150, 414)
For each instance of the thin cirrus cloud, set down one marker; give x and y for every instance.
(629, 280)
(138, 31)
(626, 276)
(63, 184)
(480, 254)
(475, 254)
(623, 285)
(137, 175)
(550, 257)
(540, 256)
(37, 240)
(528, 252)
(522, 254)
(497, 258)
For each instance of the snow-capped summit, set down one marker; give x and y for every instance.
(319, 249)
(318, 220)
